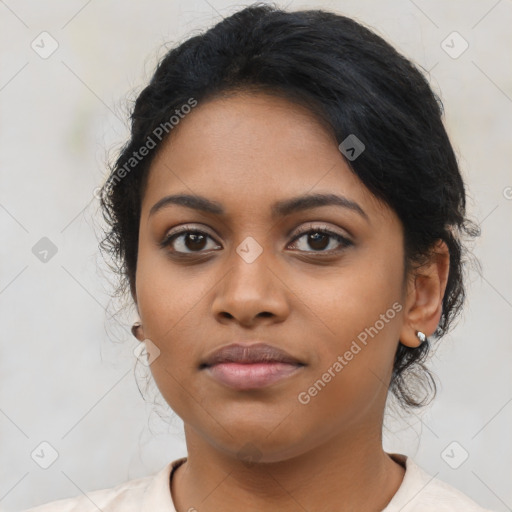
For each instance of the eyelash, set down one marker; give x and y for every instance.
(345, 243)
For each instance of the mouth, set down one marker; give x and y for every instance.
(245, 367)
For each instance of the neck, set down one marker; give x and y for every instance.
(351, 470)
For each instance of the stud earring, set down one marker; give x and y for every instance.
(421, 336)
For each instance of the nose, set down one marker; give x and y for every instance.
(251, 291)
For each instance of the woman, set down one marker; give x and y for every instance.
(288, 217)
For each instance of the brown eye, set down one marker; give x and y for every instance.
(187, 241)
(321, 239)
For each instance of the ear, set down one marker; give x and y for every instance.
(425, 292)
(138, 331)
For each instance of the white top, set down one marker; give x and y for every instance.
(419, 492)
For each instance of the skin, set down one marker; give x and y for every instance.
(247, 151)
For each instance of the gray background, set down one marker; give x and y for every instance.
(67, 368)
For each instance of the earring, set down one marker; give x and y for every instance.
(135, 326)
(421, 336)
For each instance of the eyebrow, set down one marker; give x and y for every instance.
(279, 209)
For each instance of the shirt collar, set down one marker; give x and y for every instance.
(157, 496)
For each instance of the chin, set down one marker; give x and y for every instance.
(260, 442)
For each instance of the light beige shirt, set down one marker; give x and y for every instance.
(419, 492)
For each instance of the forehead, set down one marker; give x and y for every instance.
(250, 149)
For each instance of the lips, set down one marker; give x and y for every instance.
(246, 354)
(244, 367)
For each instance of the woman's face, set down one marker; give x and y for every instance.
(254, 274)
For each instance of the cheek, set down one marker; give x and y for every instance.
(355, 357)
(171, 307)
(356, 315)
(166, 293)
(353, 298)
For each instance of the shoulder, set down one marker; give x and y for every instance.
(147, 493)
(125, 496)
(422, 492)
